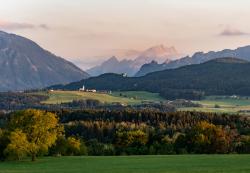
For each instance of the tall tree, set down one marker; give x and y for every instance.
(40, 127)
(208, 138)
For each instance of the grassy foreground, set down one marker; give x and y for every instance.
(133, 164)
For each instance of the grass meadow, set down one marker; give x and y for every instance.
(133, 164)
(221, 104)
(128, 98)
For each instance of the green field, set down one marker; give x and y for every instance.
(133, 164)
(222, 104)
(127, 98)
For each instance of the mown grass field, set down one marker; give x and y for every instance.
(133, 164)
(224, 104)
(128, 98)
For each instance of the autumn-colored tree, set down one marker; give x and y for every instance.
(41, 129)
(208, 138)
(136, 137)
(244, 145)
(70, 146)
(73, 145)
(18, 146)
(131, 142)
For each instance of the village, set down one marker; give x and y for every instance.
(84, 89)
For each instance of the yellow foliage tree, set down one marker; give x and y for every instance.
(209, 138)
(40, 127)
(74, 145)
(125, 138)
(18, 146)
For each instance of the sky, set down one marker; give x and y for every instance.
(86, 31)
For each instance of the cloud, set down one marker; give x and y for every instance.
(44, 26)
(15, 26)
(20, 26)
(232, 32)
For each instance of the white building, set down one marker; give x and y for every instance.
(82, 89)
(91, 91)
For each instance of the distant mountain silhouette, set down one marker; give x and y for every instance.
(197, 58)
(113, 65)
(25, 65)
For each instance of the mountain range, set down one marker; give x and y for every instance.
(25, 65)
(197, 58)
(223, 76)
(132, 65)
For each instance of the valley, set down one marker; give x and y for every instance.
(134, 86)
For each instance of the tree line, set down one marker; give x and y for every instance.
(155, 132)
(114, 132)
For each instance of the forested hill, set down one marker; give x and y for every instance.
(224, 76)
(197, 58)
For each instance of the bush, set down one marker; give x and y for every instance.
(70, 146)
(216, 106)
(96, 148)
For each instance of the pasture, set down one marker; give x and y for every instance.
(127, 98)
(222, 104)
(219, 104)
(133, 164)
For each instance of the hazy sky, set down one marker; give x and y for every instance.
(85, 29)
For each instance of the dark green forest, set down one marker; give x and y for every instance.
(141, 132)
(151, 132)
